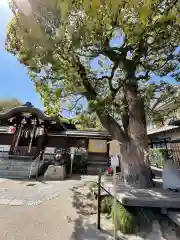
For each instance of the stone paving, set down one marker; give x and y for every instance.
(24, 192)
(16, 193)
(47, 210)
(58, 211)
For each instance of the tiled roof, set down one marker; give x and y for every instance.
(161, 129)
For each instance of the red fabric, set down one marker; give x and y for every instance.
(109, 170)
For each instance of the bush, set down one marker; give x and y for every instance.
(157, 156)
(106, 205)
(131, 220)
(126, 222)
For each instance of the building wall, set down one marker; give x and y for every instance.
(172, 134)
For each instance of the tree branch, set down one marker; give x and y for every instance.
(108, 122)
(112, 89)
(112, 126)
(90, 94)
(76, 102)
(144, 76)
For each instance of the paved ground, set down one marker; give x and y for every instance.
(46, 210)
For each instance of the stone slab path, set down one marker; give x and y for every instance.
(58, 210)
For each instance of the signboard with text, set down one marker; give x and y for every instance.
(114, 161)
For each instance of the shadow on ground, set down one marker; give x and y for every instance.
(84, 228)
(85, 224)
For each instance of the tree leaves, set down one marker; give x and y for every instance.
(62, 40)
(64, 8)
(6, 105)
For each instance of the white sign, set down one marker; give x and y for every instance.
(114, 161)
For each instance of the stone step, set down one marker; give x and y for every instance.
(16, 174)
(96, 163)
(17, 167)
(15, 163)
(17, 171)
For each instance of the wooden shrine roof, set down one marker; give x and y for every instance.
(54, 123)
(25, 109)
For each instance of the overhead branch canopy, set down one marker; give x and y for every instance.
(96, 49)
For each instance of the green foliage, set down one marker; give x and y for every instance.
(157, 156)
(86, 121)
(70, 49)
(106, 204)
(91, 186)
(5, 105)
(134, 219)
(126, 222)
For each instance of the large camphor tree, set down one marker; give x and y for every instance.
(115, 54)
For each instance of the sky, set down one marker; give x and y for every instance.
(14, 81)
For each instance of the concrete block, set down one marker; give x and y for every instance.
(55, 173)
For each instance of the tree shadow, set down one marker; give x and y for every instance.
(151, 200)
(83, 227)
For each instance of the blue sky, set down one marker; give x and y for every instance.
(13, 76)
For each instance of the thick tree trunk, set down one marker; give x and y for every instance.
(137, 129)
(135, 161)
(134, 141)
(134, 170)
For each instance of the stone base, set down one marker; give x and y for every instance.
(55, 173)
